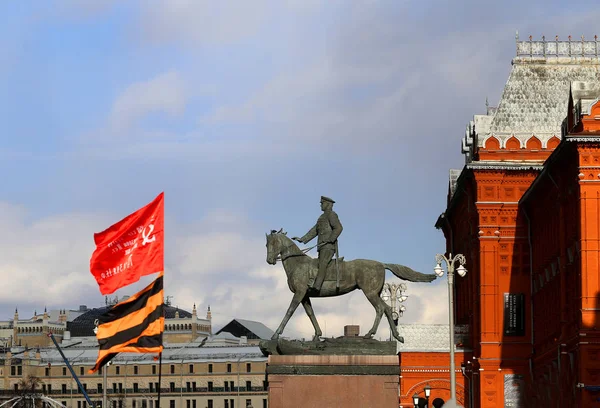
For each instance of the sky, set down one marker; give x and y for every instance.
(244, 113)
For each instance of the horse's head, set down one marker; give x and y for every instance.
(275, 244)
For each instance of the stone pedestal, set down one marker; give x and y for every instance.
(300, 381)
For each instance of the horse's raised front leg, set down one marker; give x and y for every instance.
(291, 309)
(311, 315)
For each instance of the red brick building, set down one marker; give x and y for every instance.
(525, 211)
(425, 362)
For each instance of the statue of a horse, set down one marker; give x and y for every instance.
(363, 274)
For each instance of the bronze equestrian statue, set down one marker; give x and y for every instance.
(337, 278)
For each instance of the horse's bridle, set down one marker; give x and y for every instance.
(304, 251)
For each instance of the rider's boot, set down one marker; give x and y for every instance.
(318, 283)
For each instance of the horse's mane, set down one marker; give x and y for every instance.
(289, 243)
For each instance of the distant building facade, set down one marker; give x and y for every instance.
(199, 369)
(180, 326)
(352, 330)
(33, 331)
(192, 376)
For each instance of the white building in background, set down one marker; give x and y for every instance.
(199, 369)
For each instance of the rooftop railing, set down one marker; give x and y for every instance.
(557, 48)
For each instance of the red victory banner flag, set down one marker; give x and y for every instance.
(130, 249)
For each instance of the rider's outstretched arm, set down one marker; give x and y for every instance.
(309, 235)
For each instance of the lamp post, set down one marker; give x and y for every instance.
(427, 390)
(416, 400)
(104, 375)
(462, 271)
(393, 294)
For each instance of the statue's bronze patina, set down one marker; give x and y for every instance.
(335, 278)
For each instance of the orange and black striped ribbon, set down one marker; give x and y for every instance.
(134, 326)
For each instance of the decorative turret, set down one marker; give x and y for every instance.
(45, 319)
(209, 318)
(62, 316)
(15, 335)
(194, 322)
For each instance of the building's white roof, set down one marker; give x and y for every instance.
(536, 94)
(84, 351)
(87, 356)
(483, 123)
(257, 328)
(427, 338)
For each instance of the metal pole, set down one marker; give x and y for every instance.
(439, 272)
(104, 373)
(87, 398)
(159, 378)
(238, 380)
(451, 320)
(181, 384)
(125, 392)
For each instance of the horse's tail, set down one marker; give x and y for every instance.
(406, 273)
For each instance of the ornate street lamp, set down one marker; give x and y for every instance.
(462, 271)
(416, 400)
(427, 390)
(393, 294)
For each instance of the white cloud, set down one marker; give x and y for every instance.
(45, 260)
(164, 93)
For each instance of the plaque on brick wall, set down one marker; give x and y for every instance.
(514, 314)
(513, 391)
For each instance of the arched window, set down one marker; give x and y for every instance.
(513, 143)
(492, 144)
(534, 143)
(553, 143)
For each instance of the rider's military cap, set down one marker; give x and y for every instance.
(323, 198)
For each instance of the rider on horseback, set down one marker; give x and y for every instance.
(328, 228)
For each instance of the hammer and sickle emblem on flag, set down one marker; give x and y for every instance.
(146, 236)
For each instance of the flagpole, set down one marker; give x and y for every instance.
(159, 378)
(104, 375)
(164, 312)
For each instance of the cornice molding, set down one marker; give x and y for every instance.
(501, 166)
(590, 139)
